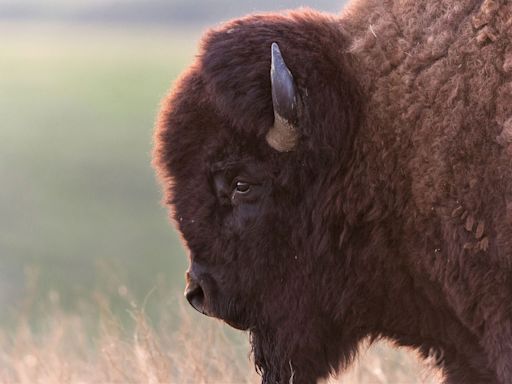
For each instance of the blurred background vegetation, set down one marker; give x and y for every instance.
(80, 84)
(168, 13)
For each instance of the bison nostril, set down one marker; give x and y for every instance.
(195, 296)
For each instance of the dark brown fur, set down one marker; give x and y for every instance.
(392, 218)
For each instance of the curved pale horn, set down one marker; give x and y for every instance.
(283, 136)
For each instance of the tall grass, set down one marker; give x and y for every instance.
(63, 347)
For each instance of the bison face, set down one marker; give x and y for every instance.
(229, 241)
(251, 147)
(243, 188)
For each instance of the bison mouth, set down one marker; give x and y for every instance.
(197, 298)
(237, 325)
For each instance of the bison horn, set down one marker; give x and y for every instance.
(283, 135)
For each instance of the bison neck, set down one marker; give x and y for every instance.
(430, 160)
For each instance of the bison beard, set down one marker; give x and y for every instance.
(345, 177)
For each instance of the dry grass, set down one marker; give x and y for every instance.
(61, 349)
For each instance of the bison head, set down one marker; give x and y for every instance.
(253, 146)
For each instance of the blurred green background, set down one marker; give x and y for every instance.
(80, 84)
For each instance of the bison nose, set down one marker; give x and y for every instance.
(195, 295)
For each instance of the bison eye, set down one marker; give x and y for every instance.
(242, 187)
(243, 192)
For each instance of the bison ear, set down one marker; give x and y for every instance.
(283, 135)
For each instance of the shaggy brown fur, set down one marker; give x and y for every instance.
(393, 216)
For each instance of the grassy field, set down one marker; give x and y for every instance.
(180, 348)
(78, 195)
(80, 214)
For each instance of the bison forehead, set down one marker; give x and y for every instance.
(235, 60)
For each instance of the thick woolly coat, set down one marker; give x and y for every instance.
(393, 216)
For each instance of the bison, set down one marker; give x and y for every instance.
(345, 177)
